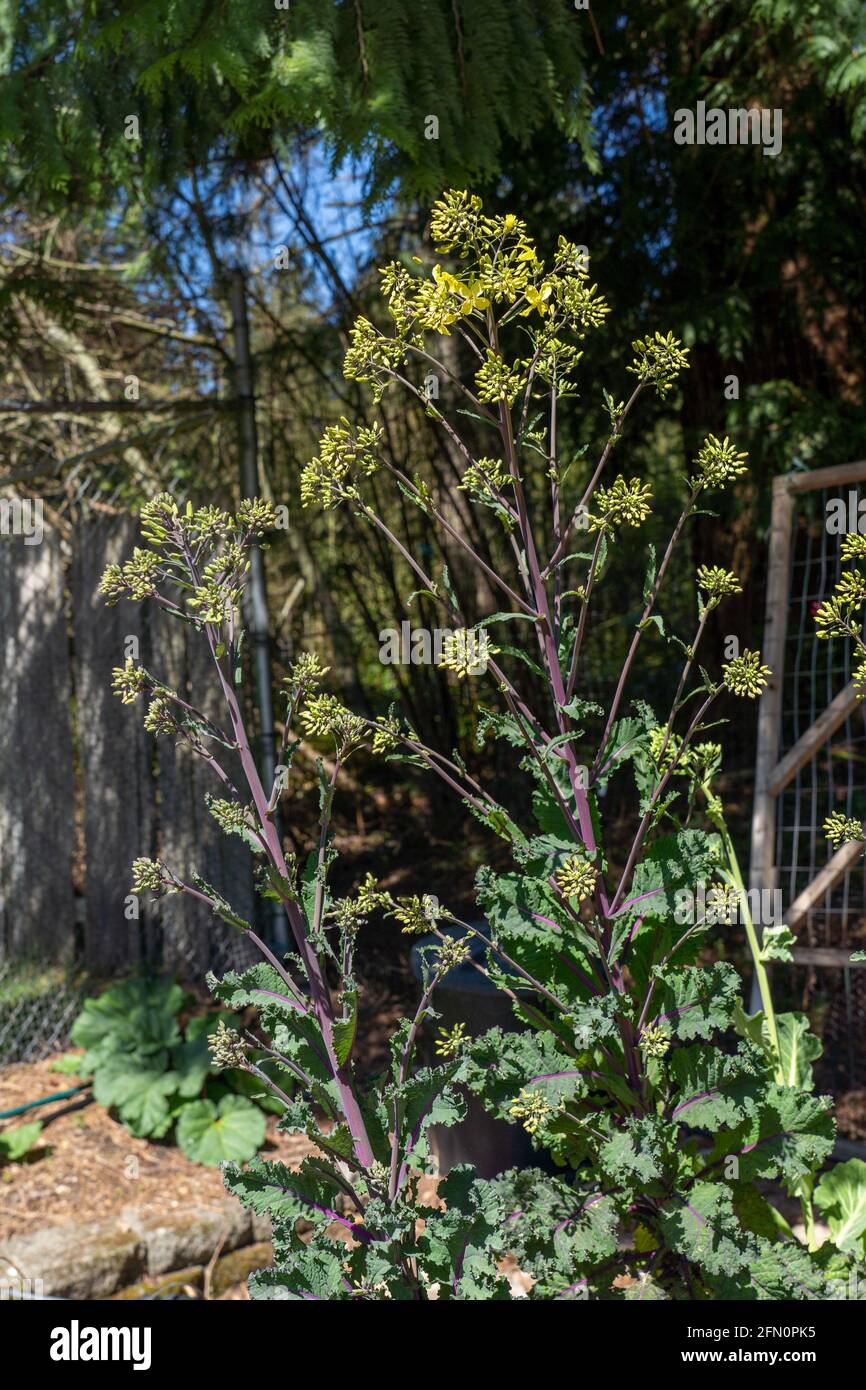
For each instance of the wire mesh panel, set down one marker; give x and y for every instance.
(37, 1007)
(812, 762)
(834, 779)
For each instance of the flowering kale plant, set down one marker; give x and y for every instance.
(373, 1236)
(641, 1073)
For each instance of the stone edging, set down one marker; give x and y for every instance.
(96, 1259)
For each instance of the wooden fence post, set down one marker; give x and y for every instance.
(37, 810)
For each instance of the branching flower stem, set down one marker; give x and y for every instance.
(639, 631)
(319, 992)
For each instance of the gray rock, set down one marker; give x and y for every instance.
(96, 1258)
(190, 1237)
(90, 1260)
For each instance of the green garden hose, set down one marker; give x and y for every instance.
(46, 1100)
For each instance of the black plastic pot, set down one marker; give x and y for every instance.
(466, 996)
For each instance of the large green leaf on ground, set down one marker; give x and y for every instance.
(137, 1015)
(16, 1143)
(140, 1089)
(213, 1132)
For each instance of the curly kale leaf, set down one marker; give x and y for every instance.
(714, 1089)
(696, 1002)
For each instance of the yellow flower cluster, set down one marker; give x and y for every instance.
(532, 1108)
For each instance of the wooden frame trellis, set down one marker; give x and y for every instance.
(776, 768)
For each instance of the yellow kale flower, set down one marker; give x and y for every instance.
(448, 1044)
(532, 1108)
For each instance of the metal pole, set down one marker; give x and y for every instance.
(257, 618)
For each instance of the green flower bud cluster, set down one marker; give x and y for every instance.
(416, 915)
(485, 477)
(843, 830)
(129, 681)
(745, 676)
(466, 652)
(387, 736)
(351, 913)
(136, 579)
(621, 504)
(152, 876)
(453, 951)
(718, 462)
(227, 1048)
(345, 454)
(497, 381)
(655, 1040)
(448, 1044)
(717, 582)
(185, 538)
(324, 715)
(160, 718)
(577, 877)
(230, 816)
(658, 361)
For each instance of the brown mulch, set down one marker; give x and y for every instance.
(87, 1167)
